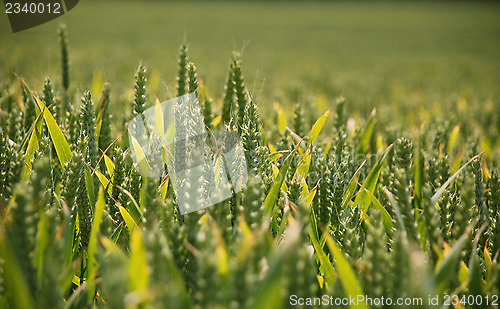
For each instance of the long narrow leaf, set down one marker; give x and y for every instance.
(349, 192)
(129, 221)
(138, 273)
(386, 217)
(58, 140)
(104, 181)
(364, 142)
(42, 240)
(20, 294)
(110, 166)
(419, 175)
(134, 209)
(303, 167)
(92, 250)
(33, 144)
(318, 125)
(440, 191)
(325, 265)
(272, 196)
(371, 181)
(346, 274)
(447, 266)
(141, 157)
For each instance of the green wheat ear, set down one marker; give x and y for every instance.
(252, 139)
(182, 77)
(151, 203)
(298, 120)
(105, 138)
(375, 255)
(29, 111)
(63, 41)
(48, 99)
(227, 104)
(22, 232)
(432, 227)
(207, 110)
(82, 202)
(402, 186)
(350, 233)
(118, 181)
(48, 96)
(494, 233)
(139, 103)
(88, 128)
(400, 266)
(323, 201)
(240, 91)
(192, 78)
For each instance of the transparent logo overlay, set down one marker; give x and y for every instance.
(24, 14)
(170, 138)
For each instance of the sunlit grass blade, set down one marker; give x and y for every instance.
(269, 292)
(110, 166)
(33, 144)
(137, 270)
(476, 283)
(366, 136)
(296, 137)
(371, 181)
(419, 175)
(133, 208)
(346, 274)
(445, 268)
(303, 167)
(42, 240)
(13, 277)
(349, 192)
(216, 121)
(274, 156)
(281, 116)
(325, 266)
(386, 217)
(141, 158)
(318, 125)
(311, 194)
(159, 127)
(129, 221)
(60, 143)
(164, 187)
(105, 182)
(441, 190)
(272, 196)
(92, 265)
(453, 138)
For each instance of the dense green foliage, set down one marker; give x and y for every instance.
(333, 205)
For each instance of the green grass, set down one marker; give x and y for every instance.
(412, 58)
(368, 52)
(401, 202)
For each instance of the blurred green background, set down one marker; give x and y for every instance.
(408, 57)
